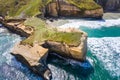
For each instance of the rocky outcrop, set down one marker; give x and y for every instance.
(17, 26)
(70, 10)
(72, 52)
(109, 5)
(98, 13)
(35, 56)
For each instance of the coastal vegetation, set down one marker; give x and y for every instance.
(25, 8)
(43, 32)
(85, 4)
(21, 8)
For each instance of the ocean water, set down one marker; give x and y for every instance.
(103, 57)
(10, 68)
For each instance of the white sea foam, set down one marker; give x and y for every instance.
(2, 30)
(60, 74)
(91, 24)
(8, 45)
(107, 50)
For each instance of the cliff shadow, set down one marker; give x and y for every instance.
(81, 70)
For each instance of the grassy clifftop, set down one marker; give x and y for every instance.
(85, 4)
(43, 32)
(28, 8)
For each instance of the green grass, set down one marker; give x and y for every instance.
(21, 8)
(31, 9)
(85, 4)
(43, 33)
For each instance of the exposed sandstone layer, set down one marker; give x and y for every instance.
(67, 51)
(17, 26)
(69, 10)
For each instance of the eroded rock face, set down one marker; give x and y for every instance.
(17, 26)
(68, 10)
(73, 52)
(98, 13)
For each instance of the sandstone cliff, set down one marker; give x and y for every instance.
(74, 8)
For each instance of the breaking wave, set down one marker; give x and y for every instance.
(107, 51)
(91, 23)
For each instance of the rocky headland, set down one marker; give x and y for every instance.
(21, 17)
(33, 51)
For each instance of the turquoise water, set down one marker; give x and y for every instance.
(103, 58)
(112, 31)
